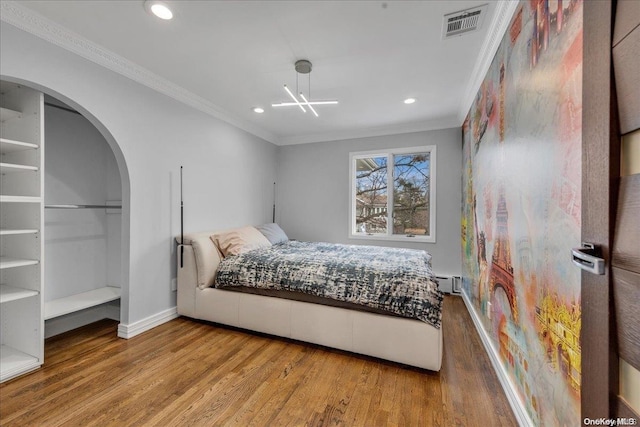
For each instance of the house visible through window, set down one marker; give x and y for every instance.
(393, 194)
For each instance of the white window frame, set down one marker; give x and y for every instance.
(389, 236)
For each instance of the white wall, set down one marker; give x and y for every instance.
(313, 191)
(79, 244)
(228, 173)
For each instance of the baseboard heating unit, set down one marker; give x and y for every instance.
(449, 284)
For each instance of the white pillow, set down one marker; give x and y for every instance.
(273, 233)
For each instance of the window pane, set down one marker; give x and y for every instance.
(371, 195)
(411, 177)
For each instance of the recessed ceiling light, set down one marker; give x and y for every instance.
(409, 100)
(159, 9)
(258, 110)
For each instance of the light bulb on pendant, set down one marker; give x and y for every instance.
(307, 104)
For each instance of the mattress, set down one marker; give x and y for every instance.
(389, 280)
(302, 297)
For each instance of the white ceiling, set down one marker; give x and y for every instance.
(227, 57)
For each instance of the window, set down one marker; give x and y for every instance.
(393, 194)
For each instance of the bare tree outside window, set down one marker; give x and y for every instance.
(411, 194)
(371, 195)
(392, 193)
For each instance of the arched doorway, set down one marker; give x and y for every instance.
(58, 230)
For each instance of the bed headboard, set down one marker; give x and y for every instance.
(206, 254)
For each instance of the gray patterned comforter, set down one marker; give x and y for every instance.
(399, 281)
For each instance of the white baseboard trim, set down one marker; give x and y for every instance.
(136, 328)
(519, 410)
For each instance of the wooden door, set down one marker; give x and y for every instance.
(610, 334)
(625, 259)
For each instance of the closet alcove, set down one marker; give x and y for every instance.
(61, 244)
(82, 222)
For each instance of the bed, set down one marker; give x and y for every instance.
(394, 327)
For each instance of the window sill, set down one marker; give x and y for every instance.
(397, 238)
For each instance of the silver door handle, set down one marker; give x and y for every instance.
(587, 258)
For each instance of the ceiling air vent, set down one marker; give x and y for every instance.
(463, 21)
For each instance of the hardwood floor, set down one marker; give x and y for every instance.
(188, 373)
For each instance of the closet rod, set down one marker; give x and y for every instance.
(83, 206)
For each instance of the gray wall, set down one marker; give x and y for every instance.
(228, 172)
(313, 191)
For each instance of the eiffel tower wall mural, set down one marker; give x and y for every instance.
(521, 207)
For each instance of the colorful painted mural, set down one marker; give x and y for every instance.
(521, 206)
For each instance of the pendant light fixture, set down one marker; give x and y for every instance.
(303, 66)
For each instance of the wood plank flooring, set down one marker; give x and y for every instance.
(188, 373)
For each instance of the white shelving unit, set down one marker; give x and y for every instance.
(21, 225)
(10, 167)
(19, 199)
(10, 146)
(71, 304)
(11, 293)
(11, 232)
(7, 114)
(7, 262)
(15, 362)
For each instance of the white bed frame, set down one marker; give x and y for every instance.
(407, 341)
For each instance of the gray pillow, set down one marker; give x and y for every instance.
(273, 233)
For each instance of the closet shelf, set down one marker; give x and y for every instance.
(61, 306)
(10, 146)
(20, 199)
(11, 293)
(12, 167)
(83, 206)
(10, 232)
(15, 362)
(8, 114)
(6, 262)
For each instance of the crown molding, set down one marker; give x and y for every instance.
(501, 19)
(412, 127)
(32, 22)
